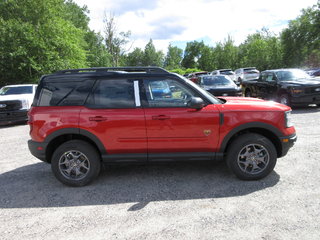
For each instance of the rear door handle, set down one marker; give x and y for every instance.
(98, 119)
(160, 117)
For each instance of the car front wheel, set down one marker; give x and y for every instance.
(75, 163)
(251, 156)
(284, 99)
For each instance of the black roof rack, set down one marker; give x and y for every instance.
(150, 70)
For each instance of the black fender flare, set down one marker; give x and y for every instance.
(252, 125)
(76, 131)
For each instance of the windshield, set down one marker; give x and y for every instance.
(289, 75)
(16, 90)
(208, 95)
(216, 81)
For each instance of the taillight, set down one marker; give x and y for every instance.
(30, 122)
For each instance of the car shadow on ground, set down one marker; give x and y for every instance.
(34, 186)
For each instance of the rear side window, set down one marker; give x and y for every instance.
(71, 93)
(113, 93)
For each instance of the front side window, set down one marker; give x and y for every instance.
(166, 93)
(114, 93)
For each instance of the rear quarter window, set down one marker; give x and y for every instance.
(71, 93)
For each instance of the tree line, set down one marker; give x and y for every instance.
(42, 36)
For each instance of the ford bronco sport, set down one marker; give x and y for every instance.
(82, 118)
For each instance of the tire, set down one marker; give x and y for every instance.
(248, 93)
(285, 99)
(83, 157)
(251, 156)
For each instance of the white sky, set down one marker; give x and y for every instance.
(181, 21)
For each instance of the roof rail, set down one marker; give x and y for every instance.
(150, 70)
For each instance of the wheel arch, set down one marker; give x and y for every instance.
(264, 129)
(61, 136)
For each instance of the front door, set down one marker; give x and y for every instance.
(172, 127)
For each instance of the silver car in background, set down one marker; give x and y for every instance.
(245, 74)
(227, 72)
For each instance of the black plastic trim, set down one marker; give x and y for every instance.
(245, 126)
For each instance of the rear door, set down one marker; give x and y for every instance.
(113, 113)
(174, 129)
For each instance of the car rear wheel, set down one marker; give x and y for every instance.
(251, 156)
(75, 163)
(284, 99)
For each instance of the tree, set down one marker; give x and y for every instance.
(192, 54)
(37, 37)
(262, 50)
(97, 54)
(173, 58)
(152, 57)
(301, 40)
(115, 42)
(135, 58)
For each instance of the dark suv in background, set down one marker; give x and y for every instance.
(292, 87)
(82, 118)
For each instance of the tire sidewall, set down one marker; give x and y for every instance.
(239, 143)
(88, 150)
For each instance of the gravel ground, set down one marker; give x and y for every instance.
(167, 201)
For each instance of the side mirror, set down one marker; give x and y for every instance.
(196, 103)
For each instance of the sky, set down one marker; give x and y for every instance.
(177, 22)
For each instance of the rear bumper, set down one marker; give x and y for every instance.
(9, 117)
(287, 142)
(38, 149)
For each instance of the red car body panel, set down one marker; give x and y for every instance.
(121, 130)
(182, 129)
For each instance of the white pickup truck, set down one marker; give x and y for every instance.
(15, 102)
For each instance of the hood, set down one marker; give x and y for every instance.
(251, 104)
(302, 82)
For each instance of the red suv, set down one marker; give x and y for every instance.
(82, 118)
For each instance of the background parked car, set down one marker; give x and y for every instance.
(227, 72)
(291, 87)
(245, 74)
(219, 85)
(314, 72)
(194, 77)
(15, 101)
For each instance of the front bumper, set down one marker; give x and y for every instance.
(38, 149)
(305, 100)
(287, 142)
(9, 117)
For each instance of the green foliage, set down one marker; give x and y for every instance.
(301, 40)
(37, 38)
(97, 54)
(192, 54)
(262, 50)
(151, 56)
(173, 58)
(135, 58)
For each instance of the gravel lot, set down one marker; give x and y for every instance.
(167, 201)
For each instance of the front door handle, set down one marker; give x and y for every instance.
(160, 117)
(98, 119)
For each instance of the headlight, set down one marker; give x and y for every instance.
(25, 104)
(288, 119)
